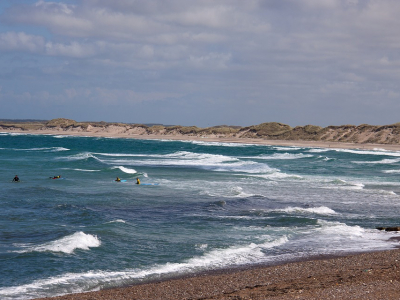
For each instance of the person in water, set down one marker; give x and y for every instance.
(16, 178)
(118, 179)
(57, 177)
(137, 181)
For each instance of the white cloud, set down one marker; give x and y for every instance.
(54, 7)
(211, 60)
(20, 41)
(74, 49)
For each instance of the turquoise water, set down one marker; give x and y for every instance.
(216, 205)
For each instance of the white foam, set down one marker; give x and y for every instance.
(318, 150)
(45, 149)
(238, 192)
(79, 156)
(277, 175)
(126, 170)
(346, 184)
(84, 170)
(94, 280)
(338, 228)
(67, 244)
(201, 160)
(201, 247)
(235, 255)
(370, 152)
(60, 136)
(321, 210)
(117, 221)
(121, 154)
(325, 158)
(287, 148)
(208, 143)
(57, 149)
(383, 161)
(391, 171)
(284, 156)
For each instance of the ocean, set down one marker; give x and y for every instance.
(208, 206)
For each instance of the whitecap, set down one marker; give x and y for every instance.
(237, 191)
(67, 244)
(84, 170)
(391, 171)
(321, 210)
(277, 175)
(60, 136)
(325, 158)
(370, 152)
(318, 150)
(201, 247)
(284, 156)
(117, 221)
(383, 161)
(287, 148)
(79, 156)
(220, 144)
(44, 149)
(125, 170)
(120, 154)
(347, 184)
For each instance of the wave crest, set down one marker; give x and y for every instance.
(67, 244)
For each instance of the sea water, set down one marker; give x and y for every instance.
(213, 206)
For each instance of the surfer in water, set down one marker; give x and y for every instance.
(57, 177)
(137, 181)
(16, 178)
(118, 179)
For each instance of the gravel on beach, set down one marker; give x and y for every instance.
(373, 275)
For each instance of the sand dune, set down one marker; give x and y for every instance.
(346, 136)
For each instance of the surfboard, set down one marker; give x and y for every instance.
(148, 184)
(122, 180)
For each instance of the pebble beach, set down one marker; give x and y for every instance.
(362, 276)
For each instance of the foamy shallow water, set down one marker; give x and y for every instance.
(215, 206)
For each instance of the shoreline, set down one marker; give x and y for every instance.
(255, 141)
(371, 275)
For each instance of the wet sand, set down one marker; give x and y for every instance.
(362, 276)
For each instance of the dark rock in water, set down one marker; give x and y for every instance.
(396, 228)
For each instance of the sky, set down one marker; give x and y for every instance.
(201, 62)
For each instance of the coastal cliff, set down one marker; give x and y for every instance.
(365, 134)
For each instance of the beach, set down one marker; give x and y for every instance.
(371, 275)
(363, 276)
(117, 133)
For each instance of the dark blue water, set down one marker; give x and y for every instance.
(210, 206)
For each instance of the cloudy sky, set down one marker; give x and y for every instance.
(201, 62)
